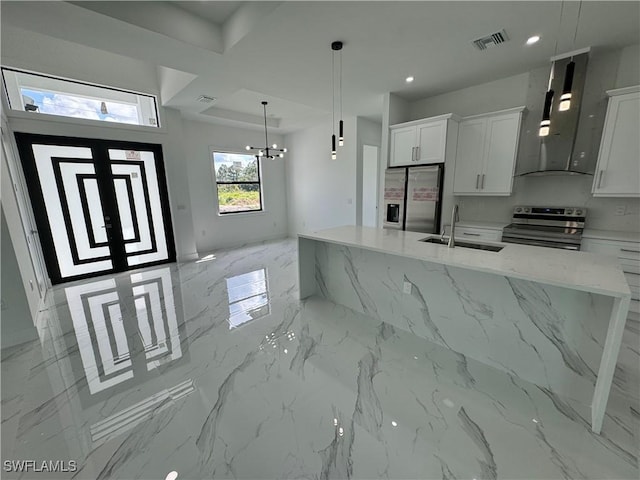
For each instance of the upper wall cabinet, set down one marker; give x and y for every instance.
(618, 170)
(421, 142)
(486, 154)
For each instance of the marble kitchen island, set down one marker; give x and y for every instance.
(551, 317)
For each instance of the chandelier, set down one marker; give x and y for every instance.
(268, 151)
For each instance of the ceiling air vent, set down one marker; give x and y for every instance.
(491, 40)
(206, 99)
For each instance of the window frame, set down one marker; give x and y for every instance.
(11, 110)
(212, 152)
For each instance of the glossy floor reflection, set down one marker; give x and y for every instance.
(215, 370)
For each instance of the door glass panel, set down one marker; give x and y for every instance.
(92, 195)
(138, 168)
(124, 197)
(61, 169)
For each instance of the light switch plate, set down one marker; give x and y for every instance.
(406, 288)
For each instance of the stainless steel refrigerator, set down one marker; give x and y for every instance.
(413, 198)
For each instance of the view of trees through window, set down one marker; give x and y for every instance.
(237, 182)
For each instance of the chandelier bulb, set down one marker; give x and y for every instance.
(274, 145)
(281, 155)
(284, 150)
(248, 147)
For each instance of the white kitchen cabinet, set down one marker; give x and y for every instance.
(482, 231)
(628, 256)
(618, 169)
(482, 234)
(421, 142)
(486, 154)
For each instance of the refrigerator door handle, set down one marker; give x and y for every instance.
(477, 180)
(482, 184)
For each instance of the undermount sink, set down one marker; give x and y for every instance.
(477, 246)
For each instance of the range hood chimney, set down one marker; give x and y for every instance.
(556, 153)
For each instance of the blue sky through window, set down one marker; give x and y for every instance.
(82, 107)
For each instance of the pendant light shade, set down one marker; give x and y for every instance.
(333, 147)
(565, 98)
(545, 124)
(341, 134)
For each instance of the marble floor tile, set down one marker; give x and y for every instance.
(216, 370)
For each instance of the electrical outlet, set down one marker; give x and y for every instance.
(621, 209)
(406, 288)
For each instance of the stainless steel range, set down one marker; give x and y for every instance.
(555, 227)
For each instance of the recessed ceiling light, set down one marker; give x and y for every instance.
(409, 79)
(532, 40)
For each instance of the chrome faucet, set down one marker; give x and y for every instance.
(455, 217)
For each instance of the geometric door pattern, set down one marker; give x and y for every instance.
(98, 209)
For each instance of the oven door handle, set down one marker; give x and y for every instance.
(541, 243)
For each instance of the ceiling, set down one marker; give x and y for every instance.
(215, 12)
(245, 52)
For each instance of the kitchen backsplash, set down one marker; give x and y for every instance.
(620, 214)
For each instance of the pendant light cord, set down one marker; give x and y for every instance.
(333, 91)
(340, 84)
(266, 140)
(575, 34)
(555, 48)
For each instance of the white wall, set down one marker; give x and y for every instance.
(321, 193)
(16, 324)
(212, 230)
(487, 97)
(15, 235)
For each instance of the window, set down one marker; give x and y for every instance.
(38, 93)
(238, 182)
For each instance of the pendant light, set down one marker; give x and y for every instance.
(545, 123)
(267, 151)
(565, 98)
(336, 47)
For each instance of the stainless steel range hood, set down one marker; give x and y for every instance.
(556, 151)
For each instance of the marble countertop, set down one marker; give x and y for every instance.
(584, 271)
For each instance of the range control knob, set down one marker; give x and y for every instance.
(518, 209)
(568, 211)
(578, 212)
(526, 210)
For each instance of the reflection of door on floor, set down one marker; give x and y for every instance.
(101, 206)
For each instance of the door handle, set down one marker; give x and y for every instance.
(482, 183)
(471, 234)
(417, 153)
(477, 180)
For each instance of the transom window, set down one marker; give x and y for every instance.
(238, 184)
(39, 93)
